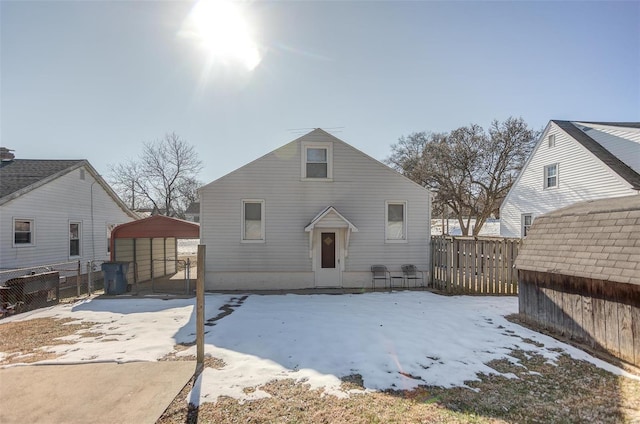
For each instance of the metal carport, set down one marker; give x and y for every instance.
(150, 245)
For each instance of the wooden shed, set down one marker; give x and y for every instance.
(579, 274)
(151, 245)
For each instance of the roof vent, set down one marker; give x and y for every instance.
(6, 155)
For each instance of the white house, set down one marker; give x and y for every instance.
(54, 211)
(193, 212)
(573, 161)
(315, 212)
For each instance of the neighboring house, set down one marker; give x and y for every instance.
(573, 161)
(147, 212)
(54, 211)
(314, 213)
(193, 212)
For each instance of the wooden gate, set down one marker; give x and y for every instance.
(474, 265)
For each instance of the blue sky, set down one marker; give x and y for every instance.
(95, 80)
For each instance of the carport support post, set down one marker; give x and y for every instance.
(200, 309)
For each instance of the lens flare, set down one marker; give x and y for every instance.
(222, 29)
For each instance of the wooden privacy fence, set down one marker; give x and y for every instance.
(474, 265)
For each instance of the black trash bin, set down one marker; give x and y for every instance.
(115, 277)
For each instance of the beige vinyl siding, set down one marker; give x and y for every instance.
(171, 245)
(52, 206)
(143, 258)
(158, 257)
(581, 176)
(164, 251)
(359, 189)
(124, 253)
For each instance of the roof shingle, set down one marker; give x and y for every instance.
(19, 174)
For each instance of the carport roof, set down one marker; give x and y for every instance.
(157, 226)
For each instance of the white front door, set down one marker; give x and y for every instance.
(327, 258)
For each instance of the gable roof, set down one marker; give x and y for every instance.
(325, 212)
(599, 151)
(20, 176)
(311, 134)
(615, 124)
(157, 226)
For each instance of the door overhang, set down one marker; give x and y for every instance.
(330, 218)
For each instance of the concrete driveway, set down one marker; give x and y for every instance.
(133, 392)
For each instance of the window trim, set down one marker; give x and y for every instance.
(32, 230)
(79, 255)
(546, 176)
(303, 159)
(404, 204)
(523, 227)
(551, 141)
(263, 238)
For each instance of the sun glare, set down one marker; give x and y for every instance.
(223, 30)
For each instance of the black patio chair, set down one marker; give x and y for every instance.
(380, 272)
(411, 273)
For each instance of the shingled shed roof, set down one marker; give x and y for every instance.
(596, 239)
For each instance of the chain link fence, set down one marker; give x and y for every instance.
(177, 276)
(26, 289)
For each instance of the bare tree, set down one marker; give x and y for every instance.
(164, 177)
(469, 170)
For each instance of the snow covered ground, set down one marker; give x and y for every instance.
(187, 247)
(393, 340)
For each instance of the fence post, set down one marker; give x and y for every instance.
(188, 275)
(200, 309)
(78, 278)
(89, 278)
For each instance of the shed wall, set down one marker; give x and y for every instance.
(604, 314)
(158, 254)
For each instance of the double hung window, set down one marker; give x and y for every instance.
(396, 221)
(74, 238)
(253, 221)
(23, 232)
(551, 176)
(317, 161)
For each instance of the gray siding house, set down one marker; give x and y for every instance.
(315, 212)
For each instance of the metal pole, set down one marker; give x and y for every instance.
(188, 275)
(200, 309)
(78, 278)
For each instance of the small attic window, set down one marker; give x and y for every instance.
(82, 174)
(317, 161)
(552, 140)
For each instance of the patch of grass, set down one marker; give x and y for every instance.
(22, 341)
(570, 392)
(293, 402)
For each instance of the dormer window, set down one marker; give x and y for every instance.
(317, 161)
